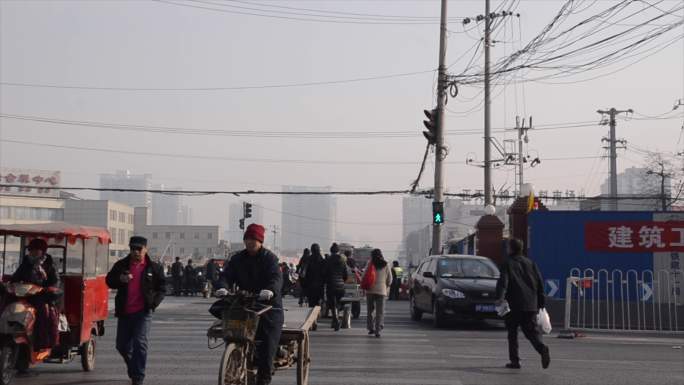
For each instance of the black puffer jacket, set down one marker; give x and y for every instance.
(28, 273)
(335, 272)
(153, 284)
(521, 284)
(254, 273)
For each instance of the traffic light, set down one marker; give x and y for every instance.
(242, 224)
(431, 125)
(437, 213)
(248, 210)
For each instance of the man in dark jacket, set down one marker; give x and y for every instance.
(256, 270)
(334, 276)
(177, 276)
(521, 284)
(313, 280)
(190, 277)
(140, 285)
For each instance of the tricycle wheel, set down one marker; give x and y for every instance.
(303, 361)
(8, 361)
(87, 352)
(233, 370)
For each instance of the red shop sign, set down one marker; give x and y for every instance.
(637, 237)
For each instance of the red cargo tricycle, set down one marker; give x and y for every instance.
(81, 257)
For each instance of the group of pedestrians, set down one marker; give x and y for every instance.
(324, 278)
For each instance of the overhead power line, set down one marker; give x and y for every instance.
(300, 14)
(236, 159)
(327, 193)
(227, 88)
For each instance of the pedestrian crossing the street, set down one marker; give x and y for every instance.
(408, 353)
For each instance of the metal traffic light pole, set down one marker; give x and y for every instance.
(439, 137)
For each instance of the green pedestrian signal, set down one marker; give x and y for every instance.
(438, 218)
(437, 213)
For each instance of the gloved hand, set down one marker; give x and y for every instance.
(221, 292)
(265, 295)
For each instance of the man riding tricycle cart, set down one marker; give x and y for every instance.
(54, 295)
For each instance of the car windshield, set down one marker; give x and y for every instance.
(467, 268)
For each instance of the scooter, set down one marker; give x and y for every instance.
(16, 330)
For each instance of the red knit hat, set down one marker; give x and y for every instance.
(255, 231)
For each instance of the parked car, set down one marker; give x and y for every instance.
(454, 287)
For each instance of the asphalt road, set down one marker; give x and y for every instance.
(411, 353)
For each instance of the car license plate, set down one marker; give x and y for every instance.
(488, 308)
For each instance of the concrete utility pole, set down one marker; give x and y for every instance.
(522, 136)
(439, 142)
(612, 113)
(487, 110)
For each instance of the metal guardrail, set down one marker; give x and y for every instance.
(624, 301)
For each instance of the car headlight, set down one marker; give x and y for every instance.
(451, 293)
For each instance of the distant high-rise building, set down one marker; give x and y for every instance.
(123, 179)
(636, 181)
(164, 209)
(186, 215)
(307, 219)
(235, 213)
(167, 209)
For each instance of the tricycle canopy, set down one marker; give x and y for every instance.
(75, 249)
(56, 230)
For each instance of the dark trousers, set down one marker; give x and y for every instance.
(177, 285)
(132, 331)
(268, 335)
(394, 291)
(314, 296)
(333, 301)
(526, 320)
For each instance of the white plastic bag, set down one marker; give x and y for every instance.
(63, 324)
(543, 321)
(503, 309)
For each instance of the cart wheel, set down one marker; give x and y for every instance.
(303, 361)
(8, 360)
(87, 352)
(233, 370)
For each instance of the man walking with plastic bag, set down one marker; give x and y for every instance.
(521, 285)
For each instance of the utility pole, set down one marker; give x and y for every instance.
(439, 137)
(487, 110)
(612, 114)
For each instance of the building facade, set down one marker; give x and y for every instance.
(124, 179)
(167, 242)
(307, 219)
(118, 218)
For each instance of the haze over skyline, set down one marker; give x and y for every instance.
(160, 49)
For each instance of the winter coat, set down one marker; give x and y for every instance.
(254, 273)
(334, 272)
(153, 285)
(29, 273)
(383, 280)
(177, 270)
(521, 284)
(313, 280)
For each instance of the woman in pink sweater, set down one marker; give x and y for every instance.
(376, 295)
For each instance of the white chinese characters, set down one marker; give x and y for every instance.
(620, 237)
(650, 237)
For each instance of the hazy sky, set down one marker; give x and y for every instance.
(148, 44)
